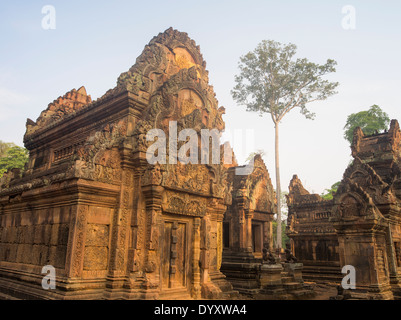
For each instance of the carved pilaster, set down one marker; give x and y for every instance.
(121, 221)
(153, 200)
(138, 219)
(121, 228)
(205, 249)
(245, 224)
(76, 243)
(248, 220)
(395, 279)
(196, 272)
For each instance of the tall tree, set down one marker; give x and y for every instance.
(284, 238)
(271, 81)
(328, 195)
(370, 121)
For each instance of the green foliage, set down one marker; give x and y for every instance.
(13, 157)
(271, 81)
(4, 146)
(329, 192)
(370, 121)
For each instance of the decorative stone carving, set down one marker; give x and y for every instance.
(358, 224)
(268, 257)
(289, 257)
(71, 102)
(160, 225)
(189, 177)
(184, 204)
(152, 175)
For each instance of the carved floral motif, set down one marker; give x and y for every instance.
(184, 204)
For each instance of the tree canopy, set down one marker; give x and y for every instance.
(370, 121)
(271, 81)
(12, 156)
(4, 146)
(328, 194)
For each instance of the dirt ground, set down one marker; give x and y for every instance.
(325, 291)
(322, 292)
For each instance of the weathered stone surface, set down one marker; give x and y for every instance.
(90, 204)
(270, 276)
(364, 215)
(95, 258)
(248, 233)
(313, 238)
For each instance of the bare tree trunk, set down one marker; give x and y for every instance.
(278, 187)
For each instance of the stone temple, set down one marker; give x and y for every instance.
(361, 226)
(90, 204)
(114, 225)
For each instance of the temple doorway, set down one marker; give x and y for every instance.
(257, 238)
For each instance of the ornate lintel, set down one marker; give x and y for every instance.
(184, 204)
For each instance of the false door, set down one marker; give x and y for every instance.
(175, 253)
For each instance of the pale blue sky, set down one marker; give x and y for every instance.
(95, 41)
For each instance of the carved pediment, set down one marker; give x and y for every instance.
(255, 190)
(298, 194)
(363, 174)
(63, 106)
(361, 178)
(351, 202)
(98, 158)
(350, 207)
(164, 56)
(365, 177)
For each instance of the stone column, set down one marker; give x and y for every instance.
(120, 228)
(196, 272)
(138, 219)
(248, 217)
(204, 249)
(244, 224)
(394, 277)
(153, 200)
